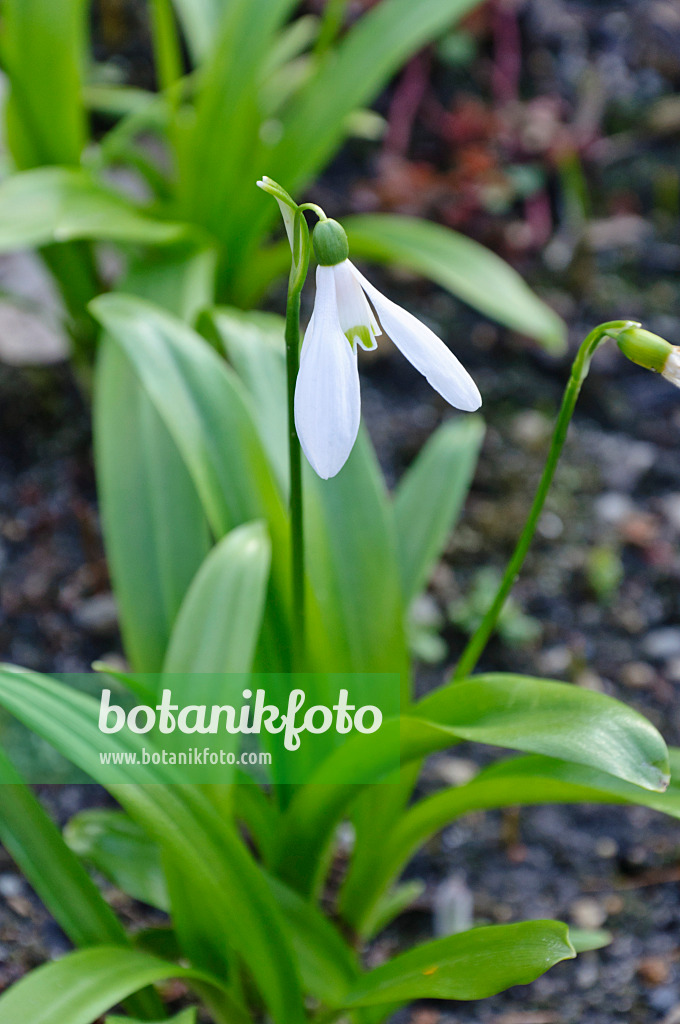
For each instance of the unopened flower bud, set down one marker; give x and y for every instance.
(649, 350)
(330, 243)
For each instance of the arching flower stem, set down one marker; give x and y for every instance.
(579, 371)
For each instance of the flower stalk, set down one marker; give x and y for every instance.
(298, 236)
(641, 347)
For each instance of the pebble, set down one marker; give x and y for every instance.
(662, 644)
(588, 913)
(654, 970)
(11, 886)
(638, 675)
(97, 615)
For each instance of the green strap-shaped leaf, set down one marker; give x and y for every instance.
(308, 132)
(200, 21)
(466, 268)
(60, 204)
(373, 50)
(121, 851)
(44, 52)
(430, 496)
(531, 715)
(253, 342)
(228, 114)
(154, 554)
(58, 877)
(219, 622)
(81, 986)
(544, 717)
(207, 412)
(516, 782)
(327, 964)
(230, 903)
(187, 1016)
(470, 965)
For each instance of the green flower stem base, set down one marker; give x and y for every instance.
(297, 538)
(579, 372)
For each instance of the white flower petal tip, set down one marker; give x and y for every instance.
(671, 370)
(423, 349)
(327, 396)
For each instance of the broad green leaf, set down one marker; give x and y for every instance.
(224, 893)
(393, 903)
(219, 621)
(466, 268)
(43, 50)
(430, 496)
(200, 20)
(123, 852)
(59, 204)
(81, 986)
(154, 554)
(470, 965)
(55, 873)
(544, 717)
(187, 1016)
(207, 412)
(257, 811)
(519, 781)
(373, 815)
(180, 278)
(227, 115)
(327, 964)
(352, 554)
(118, 848)
(253, 342)
(531, 715)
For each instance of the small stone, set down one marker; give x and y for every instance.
(453, 907)
(589, 680)
(556, 661)
(11, 886)
(97, 615)
(613, 904)
(588, 913)
(654, 970)
(614, 507)
(606, 847)
(638, 675)
(454, 771)
(662, 644)
(664, 997)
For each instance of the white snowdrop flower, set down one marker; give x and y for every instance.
(327, 398)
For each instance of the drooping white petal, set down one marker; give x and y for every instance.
(356, 317)
(327, 397)
(424, 350)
